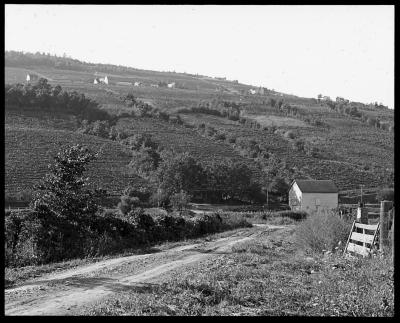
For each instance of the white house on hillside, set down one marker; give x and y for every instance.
(171, 85)
(313, 195)
(101, 80)
(31, 77)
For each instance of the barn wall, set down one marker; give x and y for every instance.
(295, 197)
(327, 201)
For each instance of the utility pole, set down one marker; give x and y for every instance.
(361, 186)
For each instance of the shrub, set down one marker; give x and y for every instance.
(231, 139)
(385, 194)
(289, 134)
(220, 136)
(128, 203)
(295, 215)
(299, 145)
(321, 232)
(180, 201)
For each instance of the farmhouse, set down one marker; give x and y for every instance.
(101, 80)
(137, 84)
(251, 91)
(313, 195)
(171, 85)
(31, 77)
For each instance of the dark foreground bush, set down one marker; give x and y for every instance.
(295, 215)
(38, 238)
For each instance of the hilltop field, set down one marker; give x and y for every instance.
(301, 138)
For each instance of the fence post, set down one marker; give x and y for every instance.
(392, 229)
(384, 225)
(362, 214)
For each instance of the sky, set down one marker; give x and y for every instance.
(345, 51)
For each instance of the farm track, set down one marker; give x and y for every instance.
(66, 292)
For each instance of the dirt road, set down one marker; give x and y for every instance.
(64, 293)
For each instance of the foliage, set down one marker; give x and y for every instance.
(180, 201)
(178, 172)
(63, 191)
(386, 194)
(43, 95)
(134, 197)
(322, 232)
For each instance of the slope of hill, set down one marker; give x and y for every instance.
(33, 139)
(351, 152)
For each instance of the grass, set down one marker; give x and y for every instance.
(265, 278)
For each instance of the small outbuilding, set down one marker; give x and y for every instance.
(101, 80)
(252, 91)
(32, 77)
(313, 195)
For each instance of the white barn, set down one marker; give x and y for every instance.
(102, 80)
(31, 77)
(313, 195)
(252, 91)
(171, 85)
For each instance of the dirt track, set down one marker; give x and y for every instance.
(64, 293)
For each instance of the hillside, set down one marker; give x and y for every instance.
(350, 150)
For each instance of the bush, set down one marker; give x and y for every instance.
(128, 203)
(289, 134)
(321, 232)
(295, 215)
(180, 201)
(219, 136)
(386, 194)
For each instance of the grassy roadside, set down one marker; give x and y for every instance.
(266, 276)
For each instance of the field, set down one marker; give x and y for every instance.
(32, 140)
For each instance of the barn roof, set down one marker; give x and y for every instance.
(316, 186)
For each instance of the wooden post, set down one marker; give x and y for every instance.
(384, 225)
(393, 234)
(362, 214)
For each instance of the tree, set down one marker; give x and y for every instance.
(63, 191)
(145, 161)
(180, 201)
(279, 186)
(178, 172)
(385, 194)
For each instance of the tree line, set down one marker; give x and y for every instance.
(45, 96)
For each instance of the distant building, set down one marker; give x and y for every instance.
(313, 195)
(171, 85)
(137, 84)
(101, 80)
(32, 77)
(154, 85)
(252, 91)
